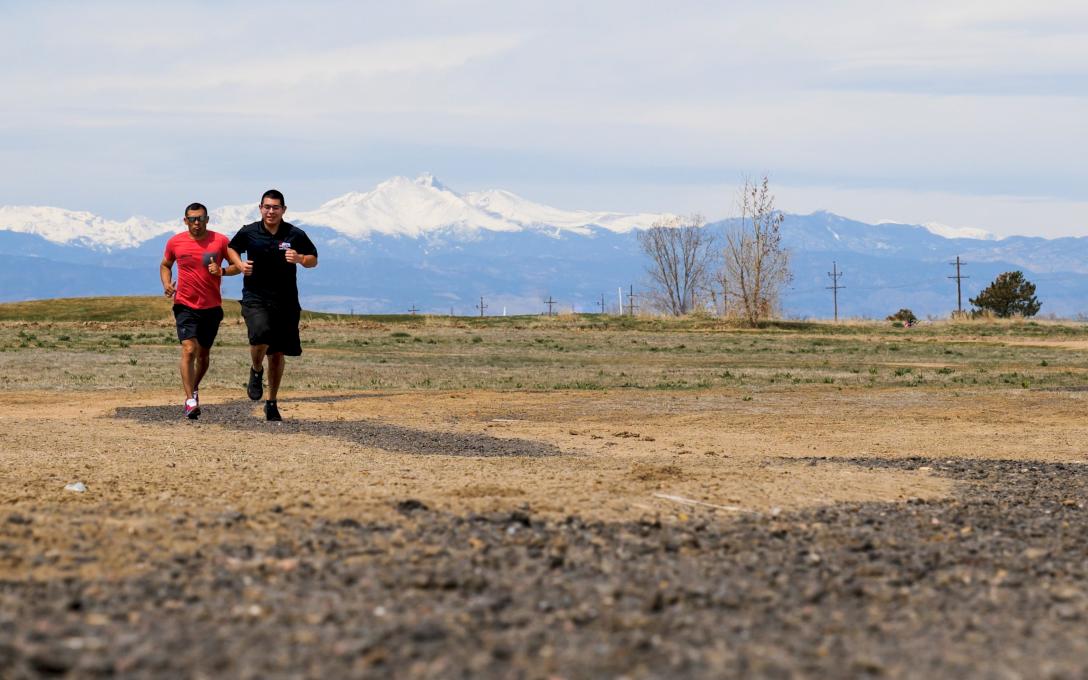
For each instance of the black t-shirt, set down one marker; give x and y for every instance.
(273, 279)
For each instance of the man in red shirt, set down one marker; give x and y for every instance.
(198, 303)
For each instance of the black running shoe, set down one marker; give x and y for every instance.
(271, 412)
(256, 387)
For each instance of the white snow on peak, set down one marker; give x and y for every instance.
(428, 180)
(405, 207)
(958, 232)
(399, 206)
(529, 214)
(230, 218)
(80, 227)
(947, 231)
(70, 226)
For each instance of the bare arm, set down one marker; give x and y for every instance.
(165, 266)
(307, 261)
(236, 264)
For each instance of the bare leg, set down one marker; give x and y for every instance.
(256, 356)
(189, 351)
(276, 362)
(203, 360)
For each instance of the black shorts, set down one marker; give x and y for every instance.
(202, 324)
(273, 325)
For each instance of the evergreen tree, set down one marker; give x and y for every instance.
(1009, 295)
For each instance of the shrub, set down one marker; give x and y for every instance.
(904, 317)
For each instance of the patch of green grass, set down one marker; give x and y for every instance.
(569, 352)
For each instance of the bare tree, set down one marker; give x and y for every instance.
(681, 253)
(757, 266)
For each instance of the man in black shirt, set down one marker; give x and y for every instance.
(270, 304)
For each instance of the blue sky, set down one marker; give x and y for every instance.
(970, 114)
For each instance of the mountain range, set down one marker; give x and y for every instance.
(417, 243)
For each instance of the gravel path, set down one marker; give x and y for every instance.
(992, 582)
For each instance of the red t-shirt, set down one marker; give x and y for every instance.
(197, 288)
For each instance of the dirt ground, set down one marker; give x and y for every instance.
(805, 531)
(601, 456)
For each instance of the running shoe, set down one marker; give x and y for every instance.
(271, 412)
(196, 396)
(192, 409)
(256, 387)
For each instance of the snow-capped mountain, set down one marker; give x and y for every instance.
(530, 214)
(948, 231)
(403, 207)
(418, 207)
(396, 207)
(419, 243)
(79, 227)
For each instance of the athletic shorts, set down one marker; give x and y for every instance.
(202, 324)
(274, 326)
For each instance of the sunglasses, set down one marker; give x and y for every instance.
(197, 220)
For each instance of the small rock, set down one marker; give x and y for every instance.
(410, 505)
(52, 662)
(1034, 553)
(230, 518)
(427, 631)
(78, 487)
(1065, 593)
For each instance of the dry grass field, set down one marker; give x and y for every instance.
(401, 432)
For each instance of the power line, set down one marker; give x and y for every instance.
(835, 287)
(958, 277)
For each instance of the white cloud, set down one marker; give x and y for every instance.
(279, 70)
(969, 98)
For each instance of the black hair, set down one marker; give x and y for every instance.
(275, 195)
(196, 206)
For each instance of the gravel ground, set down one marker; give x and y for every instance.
(988, 583)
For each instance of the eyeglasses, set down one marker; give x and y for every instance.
(197, 220)
(271, 208)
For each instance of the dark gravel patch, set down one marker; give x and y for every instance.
(990, 583)
(239, 415)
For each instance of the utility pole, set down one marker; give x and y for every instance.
(958, 277)
(413, 309)
(549, 302)
(481, 306)
(631, 306)
(834, 287)
(601, 303)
